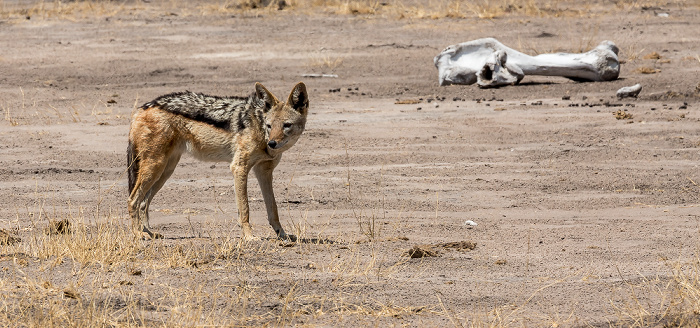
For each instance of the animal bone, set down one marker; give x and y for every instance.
(489, 63)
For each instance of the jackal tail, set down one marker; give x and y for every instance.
(132, 161)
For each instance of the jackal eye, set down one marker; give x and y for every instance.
(287, 125)
(269, 126)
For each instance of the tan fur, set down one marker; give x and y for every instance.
(158, 138)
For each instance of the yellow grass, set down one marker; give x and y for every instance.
(679, 292)
(62, 9)
(116, 279)
(98, 274)
(427, 9)
(326, 63)
(647, 70)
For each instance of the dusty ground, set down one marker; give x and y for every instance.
(582, 217)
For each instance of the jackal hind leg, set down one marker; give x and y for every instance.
(263, 171)
(146, 203)
(150, 172)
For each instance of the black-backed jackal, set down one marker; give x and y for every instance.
(248, 132)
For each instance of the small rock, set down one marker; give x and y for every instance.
(632, 91)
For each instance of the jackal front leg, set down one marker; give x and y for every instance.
(240, 169)
(263, 171)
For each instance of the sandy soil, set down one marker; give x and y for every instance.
(576, 210)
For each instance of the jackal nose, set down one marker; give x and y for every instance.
(272, 144)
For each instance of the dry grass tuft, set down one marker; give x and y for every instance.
(8, 239)
(420, 251)
(61, 227)
(647, 70)
(134, 272)
(485, 10)
(325, 63)
(679, 295)
(68, 10)
(685, 291)
(71, 293)
(366, 7)
(407, 102)
(652, 55)
(8, 116)
(242, 6)
(255, 4)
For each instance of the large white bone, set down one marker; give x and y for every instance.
(489, 63)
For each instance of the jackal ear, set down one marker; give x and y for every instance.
(265, 99)
(298, 98)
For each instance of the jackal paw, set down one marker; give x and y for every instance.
(287, 237)
(281, 235)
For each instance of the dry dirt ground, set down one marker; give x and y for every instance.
(584, 217)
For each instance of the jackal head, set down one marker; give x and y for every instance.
(283, 122)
